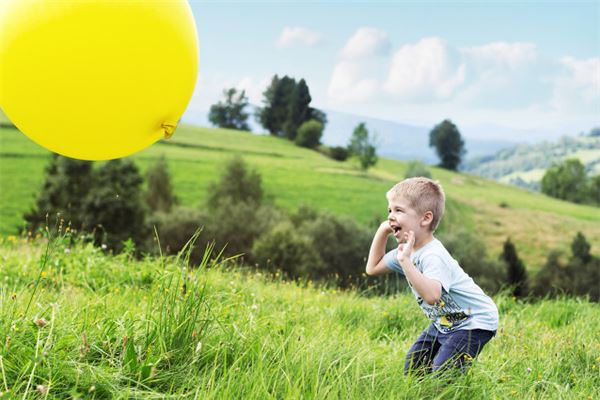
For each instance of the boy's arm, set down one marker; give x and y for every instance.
(429, 289)
(375, 263)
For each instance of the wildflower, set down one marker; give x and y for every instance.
(254, 307)
(44, 274)
(67, 250)
(528, 370)
(385, 313)
(13, 296)
(92, 389)
(42, 389)
(103, 246)
(593, 366)
(40, 322)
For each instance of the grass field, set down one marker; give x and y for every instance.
(83, 324)
(295, 176)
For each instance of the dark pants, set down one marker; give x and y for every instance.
(434, 351)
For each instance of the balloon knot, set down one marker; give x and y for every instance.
(169, 130)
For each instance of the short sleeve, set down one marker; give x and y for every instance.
(435, 268)
(391, 261)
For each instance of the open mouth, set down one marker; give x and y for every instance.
(397, 230)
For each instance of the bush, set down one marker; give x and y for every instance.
(176, 228)
(235, 226)
(339, 153)
(342, 245)
(285, 248)
(415, 169)
(237, 183)
(471, 255)
(159, 195)
(309, 134)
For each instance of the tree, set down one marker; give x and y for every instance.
(309, 134)
(362, 146)
(517, 275)
(66, 183)
(230, 114)
(566, 181)
(448, 144)
(580, 248)
(113, 208)
(594, 190)
(298, 109)
(274, 114)
(159, 195)
(237, 183)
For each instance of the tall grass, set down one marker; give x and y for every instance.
(102, 326)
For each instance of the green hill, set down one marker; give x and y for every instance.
(100, 327)
(525, 164)
(296, 176)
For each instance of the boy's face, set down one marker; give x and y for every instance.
(403, 218)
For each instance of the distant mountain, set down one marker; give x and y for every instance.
(525, 164)
(395, 140)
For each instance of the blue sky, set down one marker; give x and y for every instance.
(516, 64)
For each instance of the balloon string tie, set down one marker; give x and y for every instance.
(169, 130)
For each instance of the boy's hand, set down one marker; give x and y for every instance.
(386, 228)
(405, 249)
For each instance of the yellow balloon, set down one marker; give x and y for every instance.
(96, 79)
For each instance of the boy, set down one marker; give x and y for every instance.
(463, 318)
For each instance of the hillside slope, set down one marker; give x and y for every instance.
(296, 176)
(525, 164)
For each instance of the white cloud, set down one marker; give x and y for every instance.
(577, 88)
(298, 36)
(349, 84)
(427, 70)
(501, 56)
(366, 42)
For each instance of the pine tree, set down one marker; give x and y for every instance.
(298, 109)
(114, 210)
(67, 182)
(517, 275)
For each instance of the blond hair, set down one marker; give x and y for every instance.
(422, 194)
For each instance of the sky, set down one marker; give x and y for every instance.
(519, 64)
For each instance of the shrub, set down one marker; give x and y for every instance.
(159, 196)
(176, 228)
(237, 183)
(342, 245)
(309, 134)
(285, 248)
(339, 153)
(471, 255)
(417, 168)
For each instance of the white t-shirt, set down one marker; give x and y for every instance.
(463, 304)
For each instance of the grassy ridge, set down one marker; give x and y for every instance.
(295, 176)
(112, 327)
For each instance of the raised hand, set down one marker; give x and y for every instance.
(405, 248)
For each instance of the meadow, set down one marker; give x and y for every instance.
(294, 176)
(78, 323)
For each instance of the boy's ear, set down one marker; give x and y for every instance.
(427, 218)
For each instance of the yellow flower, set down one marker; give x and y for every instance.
(44, 274)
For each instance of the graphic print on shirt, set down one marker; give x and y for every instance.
(446, 314)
